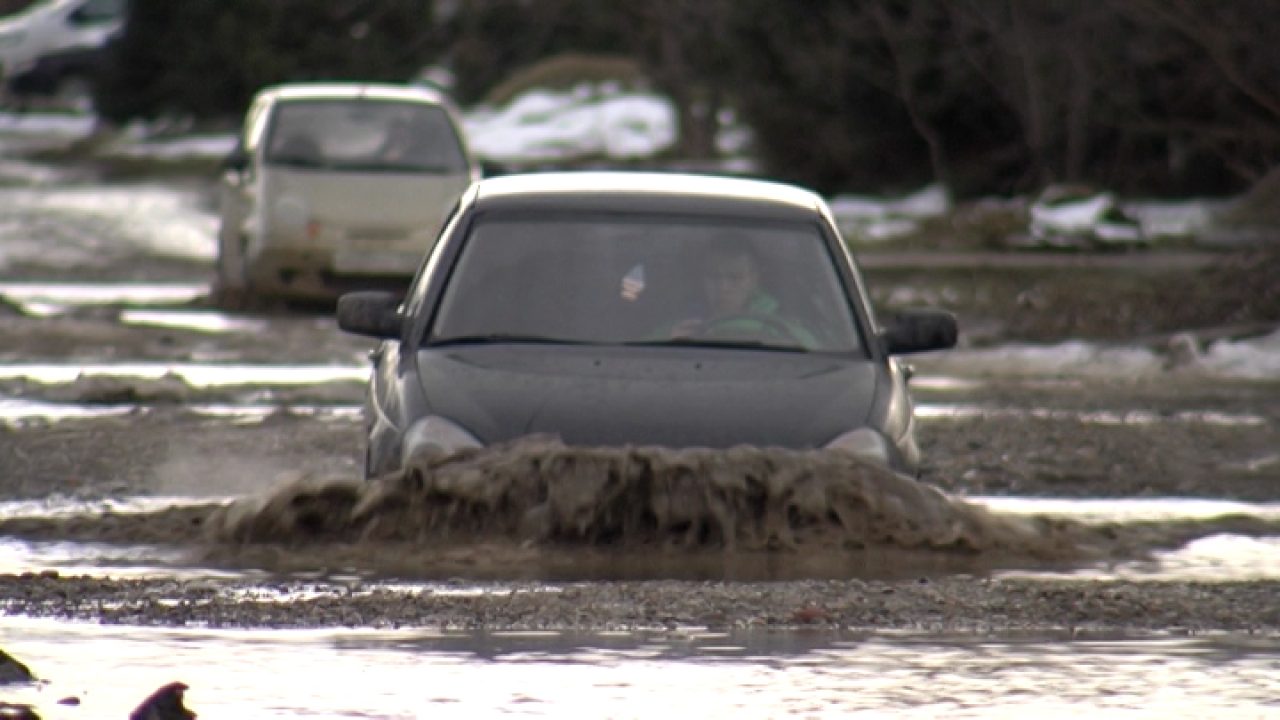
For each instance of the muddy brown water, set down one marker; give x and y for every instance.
(537, 509)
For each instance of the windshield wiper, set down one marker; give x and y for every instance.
(716, 343)
(499, 338)
(495, 338)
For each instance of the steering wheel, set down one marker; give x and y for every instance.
(753, 326)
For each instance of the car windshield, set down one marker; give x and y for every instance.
(646, 279)
(364, 135)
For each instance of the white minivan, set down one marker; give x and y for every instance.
(337, 186)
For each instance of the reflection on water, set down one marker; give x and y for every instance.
(97, 560)
(209, 322)
(16, 412)
(13, 410)
(193, 373)
(1093, 417)
(1130, 509)
(90, 224)
(1217, 558)
(63, 294)
(421, 674)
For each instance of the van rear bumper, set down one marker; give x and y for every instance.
(313, 274)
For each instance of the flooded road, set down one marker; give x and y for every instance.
(424, 673)
(131, 411)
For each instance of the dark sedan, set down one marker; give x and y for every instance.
(640, 309)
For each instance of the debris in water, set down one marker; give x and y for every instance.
(17, 711)
(12, 670)
(164, 704)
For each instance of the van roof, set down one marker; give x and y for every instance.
(344, 91)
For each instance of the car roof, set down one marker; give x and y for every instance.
(346, 91)
(648, 191)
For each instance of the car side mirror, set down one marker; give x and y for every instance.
(490, 168)
(375, 313)
(913, 331)
(237, 160)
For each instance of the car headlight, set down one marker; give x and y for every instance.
(434, 435)
(865, 443)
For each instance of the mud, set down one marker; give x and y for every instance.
(539, 490)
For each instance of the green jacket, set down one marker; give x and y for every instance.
(760, 321)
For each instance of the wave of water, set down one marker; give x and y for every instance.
(537, 509)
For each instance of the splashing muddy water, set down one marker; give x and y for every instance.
(538, 509)
(540, 491)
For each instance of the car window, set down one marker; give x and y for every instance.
(613, 278)
(364, 135)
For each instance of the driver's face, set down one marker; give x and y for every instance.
(730, 282)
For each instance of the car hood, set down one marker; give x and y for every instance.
(679, 397)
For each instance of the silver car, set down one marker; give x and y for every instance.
(639, 309)
(337, 186)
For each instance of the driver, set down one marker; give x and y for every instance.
(737, 306)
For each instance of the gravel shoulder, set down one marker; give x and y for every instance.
(943, 604)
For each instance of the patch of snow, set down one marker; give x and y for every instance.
(1075, 358)
(18, 172)
(60, 125)
(1070, 217)
(1082, 221)
(1172, 219)
(199, 321)
(866, 218)
(1248, 359)
(541, 126)
(1129, 510)
(14, 410)
(194, 146)
(1254, 359)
